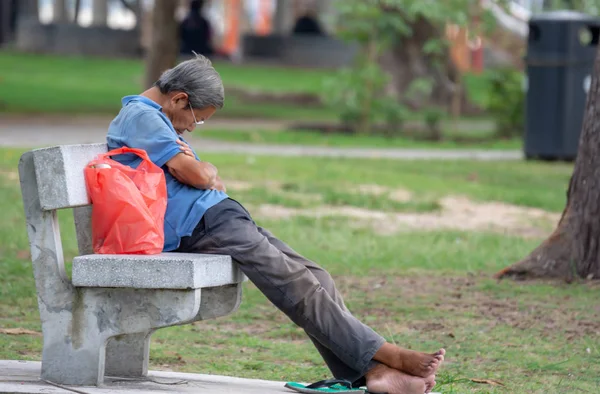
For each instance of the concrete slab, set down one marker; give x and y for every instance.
(23, 377)
(159, 271)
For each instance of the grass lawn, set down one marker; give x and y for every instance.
(527, 184)
(94, 85)
(420, 289)
(91, 85)
(292, 137)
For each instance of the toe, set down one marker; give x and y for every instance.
(430, 387)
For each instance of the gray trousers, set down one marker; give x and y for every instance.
(298, 287)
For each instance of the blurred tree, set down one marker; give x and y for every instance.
(134, 6)
(573, 249)
(59, 11)
(77, 11)
(164, 45)
(404, 62)
(99, 13)
(28, 8)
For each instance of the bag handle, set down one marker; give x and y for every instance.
(123, 150)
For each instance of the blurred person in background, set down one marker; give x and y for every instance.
(195, 31)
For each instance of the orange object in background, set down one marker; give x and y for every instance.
(476, 49)
(231, 40)
(264, 23)
(466, 53)
(459, 50)
(128, 205)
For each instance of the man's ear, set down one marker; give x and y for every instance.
(180, 100)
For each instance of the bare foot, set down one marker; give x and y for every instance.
(429, 383)
(409, 361)
(383, 379)
(419, 364)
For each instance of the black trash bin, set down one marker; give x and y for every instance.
(560, 57)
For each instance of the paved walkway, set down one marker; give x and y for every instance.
(17, 133)
(24, 377)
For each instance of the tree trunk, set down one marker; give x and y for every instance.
(407, 62)
(164, 45)
(99, 13)
(77, 11)
(573, 249)
(29, 8)
(60, 13)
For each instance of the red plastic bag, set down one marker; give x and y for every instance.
(129, 205)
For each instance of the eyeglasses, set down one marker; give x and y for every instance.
(194, 115)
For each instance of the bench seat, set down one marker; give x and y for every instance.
(161, 271)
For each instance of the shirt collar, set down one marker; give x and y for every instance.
(127, 99)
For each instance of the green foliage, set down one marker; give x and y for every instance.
(358, 93)
(433, 117)
(352, 90)
(591, 7)
(506, 101)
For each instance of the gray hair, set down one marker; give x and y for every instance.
(198, 79)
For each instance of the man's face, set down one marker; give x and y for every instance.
(183, 116)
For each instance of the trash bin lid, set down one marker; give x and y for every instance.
(563, 16)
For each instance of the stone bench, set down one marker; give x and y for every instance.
(100, 322)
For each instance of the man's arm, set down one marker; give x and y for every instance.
(148, 131)
(187, 171)
(199, 174)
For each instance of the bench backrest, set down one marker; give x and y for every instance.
(59, 174)
(61, 184)
(52, 179)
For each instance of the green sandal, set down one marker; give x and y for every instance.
(327, 386)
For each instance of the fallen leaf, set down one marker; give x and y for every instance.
(487, 381)
(23, 254)
(19, 331)
(473, 177)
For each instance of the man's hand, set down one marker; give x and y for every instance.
(187, 169)
(185, 148)
(219, 185)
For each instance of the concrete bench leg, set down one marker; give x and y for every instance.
(74, 364)
(219, 301)
(128, 355)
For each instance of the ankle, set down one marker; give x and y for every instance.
(376, 373)
(389, 355)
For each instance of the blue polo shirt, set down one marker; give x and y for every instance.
(142, 124)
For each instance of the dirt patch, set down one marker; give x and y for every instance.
(238, 185)
(400, 195)
(261, 97)
(455, 297)
(454, 302)
(457, 213)
(10, 175)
